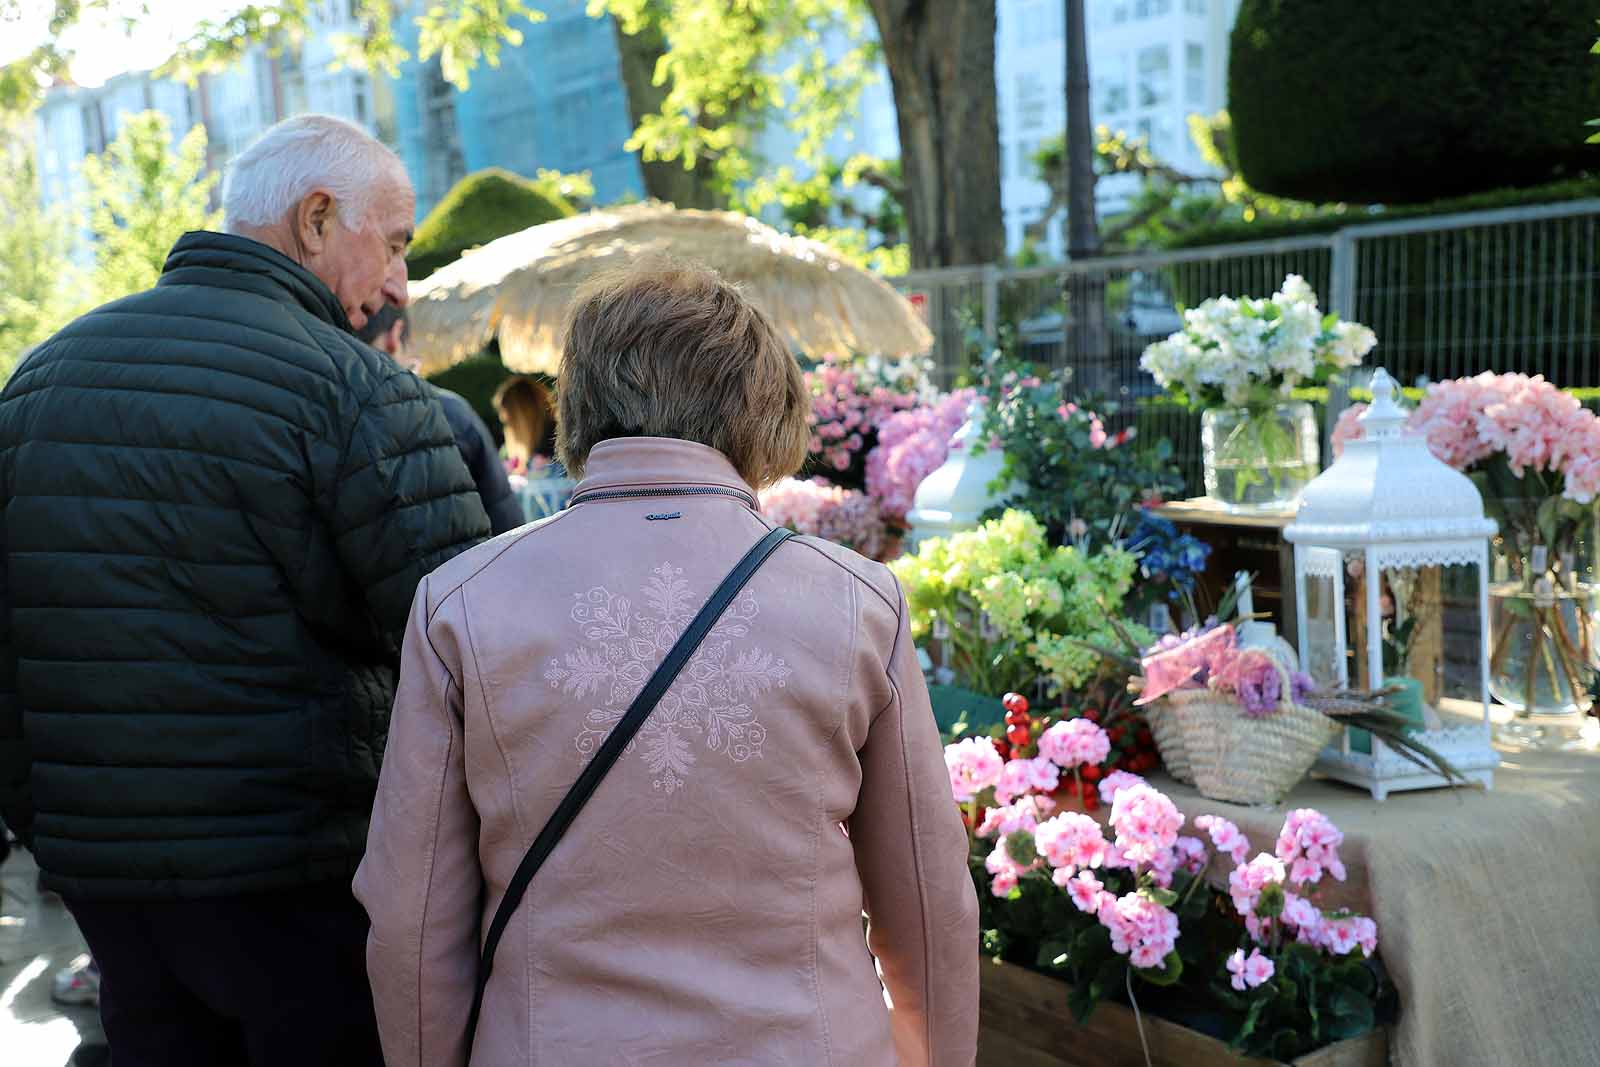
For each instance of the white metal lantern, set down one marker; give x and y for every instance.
(954, 497)
(1390, 516)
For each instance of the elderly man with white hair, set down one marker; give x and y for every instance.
(215, 507)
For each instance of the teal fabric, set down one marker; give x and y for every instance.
(215, 507)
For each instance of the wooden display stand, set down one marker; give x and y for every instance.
(1242, 542)
(1024, 1022)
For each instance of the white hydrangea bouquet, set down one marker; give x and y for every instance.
(1253, 353)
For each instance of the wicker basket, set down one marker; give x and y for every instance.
(1164, 726)
(1245, 760)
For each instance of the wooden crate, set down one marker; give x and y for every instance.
(1025, 1023)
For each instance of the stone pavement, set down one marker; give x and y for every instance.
(37, 938)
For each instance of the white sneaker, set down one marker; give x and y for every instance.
(78, 983)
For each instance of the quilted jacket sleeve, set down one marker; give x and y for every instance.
(911, 851)
(15, 805)
(402, 501)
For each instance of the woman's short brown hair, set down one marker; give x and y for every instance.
(669, 349)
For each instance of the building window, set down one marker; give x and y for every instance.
(1195, 7)
(1025, 153)
(1194, 74)
(1113, 98)
(1155, 76)
(1030, 101)
(1119, 12)
(1145, 9)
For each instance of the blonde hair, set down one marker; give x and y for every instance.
(669, 349)
(524, 408)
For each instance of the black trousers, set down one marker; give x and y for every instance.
(276, 980)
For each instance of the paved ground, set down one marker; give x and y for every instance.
(37, 938)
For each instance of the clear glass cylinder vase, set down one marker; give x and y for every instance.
(1542, 646)
(1258, 459)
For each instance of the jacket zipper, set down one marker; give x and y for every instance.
(629, 494)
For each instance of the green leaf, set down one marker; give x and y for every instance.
(1081, 1003)
(1248, 1026)
(1352, 1014)
(1165, 897)
(1168, 973)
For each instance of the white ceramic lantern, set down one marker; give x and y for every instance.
(1408, 535)
(955, 497)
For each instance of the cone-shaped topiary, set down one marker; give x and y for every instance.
(1401, 102)
(480, 207)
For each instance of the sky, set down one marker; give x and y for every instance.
(103, 46)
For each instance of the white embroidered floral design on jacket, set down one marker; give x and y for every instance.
(709, 700)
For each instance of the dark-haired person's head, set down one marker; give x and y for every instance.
(670, 349)
(385, 330)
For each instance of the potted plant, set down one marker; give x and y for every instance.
(1239, 362)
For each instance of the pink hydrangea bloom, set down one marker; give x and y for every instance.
(844, 401)
(844, 516)
(1075, 743)
(1116, 782)
(1309, 845)
(1247, 881)
(1140, 929)
(1087, 891)
(1071, 841)
(912, 445)
(1252, 971)
(974, 766)
(1146, 822)
(1348, 428)
(1225, 836)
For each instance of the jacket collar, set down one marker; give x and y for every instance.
(228, 261)
(644, 463)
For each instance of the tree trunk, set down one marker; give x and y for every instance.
(941, 66)
(1085, 293)
(664, 179)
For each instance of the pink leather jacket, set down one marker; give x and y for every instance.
(706, 906)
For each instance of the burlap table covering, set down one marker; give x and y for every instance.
(1487, 903)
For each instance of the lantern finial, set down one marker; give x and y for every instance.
(1384, 418)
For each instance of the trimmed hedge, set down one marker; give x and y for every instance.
(480, 207)
(1361, 102)
(1224, 233)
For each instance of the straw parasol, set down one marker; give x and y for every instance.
(517, 288)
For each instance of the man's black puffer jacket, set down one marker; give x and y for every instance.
(217, 507)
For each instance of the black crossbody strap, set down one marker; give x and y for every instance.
(617, 740)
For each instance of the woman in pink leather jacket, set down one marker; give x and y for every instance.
(706, 905)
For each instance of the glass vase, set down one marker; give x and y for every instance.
(1258, 459)
(1542, 644)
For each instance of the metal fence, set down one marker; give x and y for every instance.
(1509, 290)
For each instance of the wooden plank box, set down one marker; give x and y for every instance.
(1025, 1023)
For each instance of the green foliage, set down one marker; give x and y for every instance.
(39, 284)
(481, 207)
(731, 69)
(476, 380)
(461, 35)
(1264, 229)
(1170, 202)
(1082, 491)
(813, 207)
(1328, 98)
(144, 195)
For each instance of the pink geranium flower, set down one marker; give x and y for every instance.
(1146, 823)
(1075, 743)
(1225, 836)
(1252, 971)
(1070, 841)
(974, 766)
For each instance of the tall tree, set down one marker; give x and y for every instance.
(1085, 293)
(144, 195)
(39, 284)
(941, 65)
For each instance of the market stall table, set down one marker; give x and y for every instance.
(1487, 903)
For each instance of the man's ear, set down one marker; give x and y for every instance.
(312, 218)
(395, 338)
